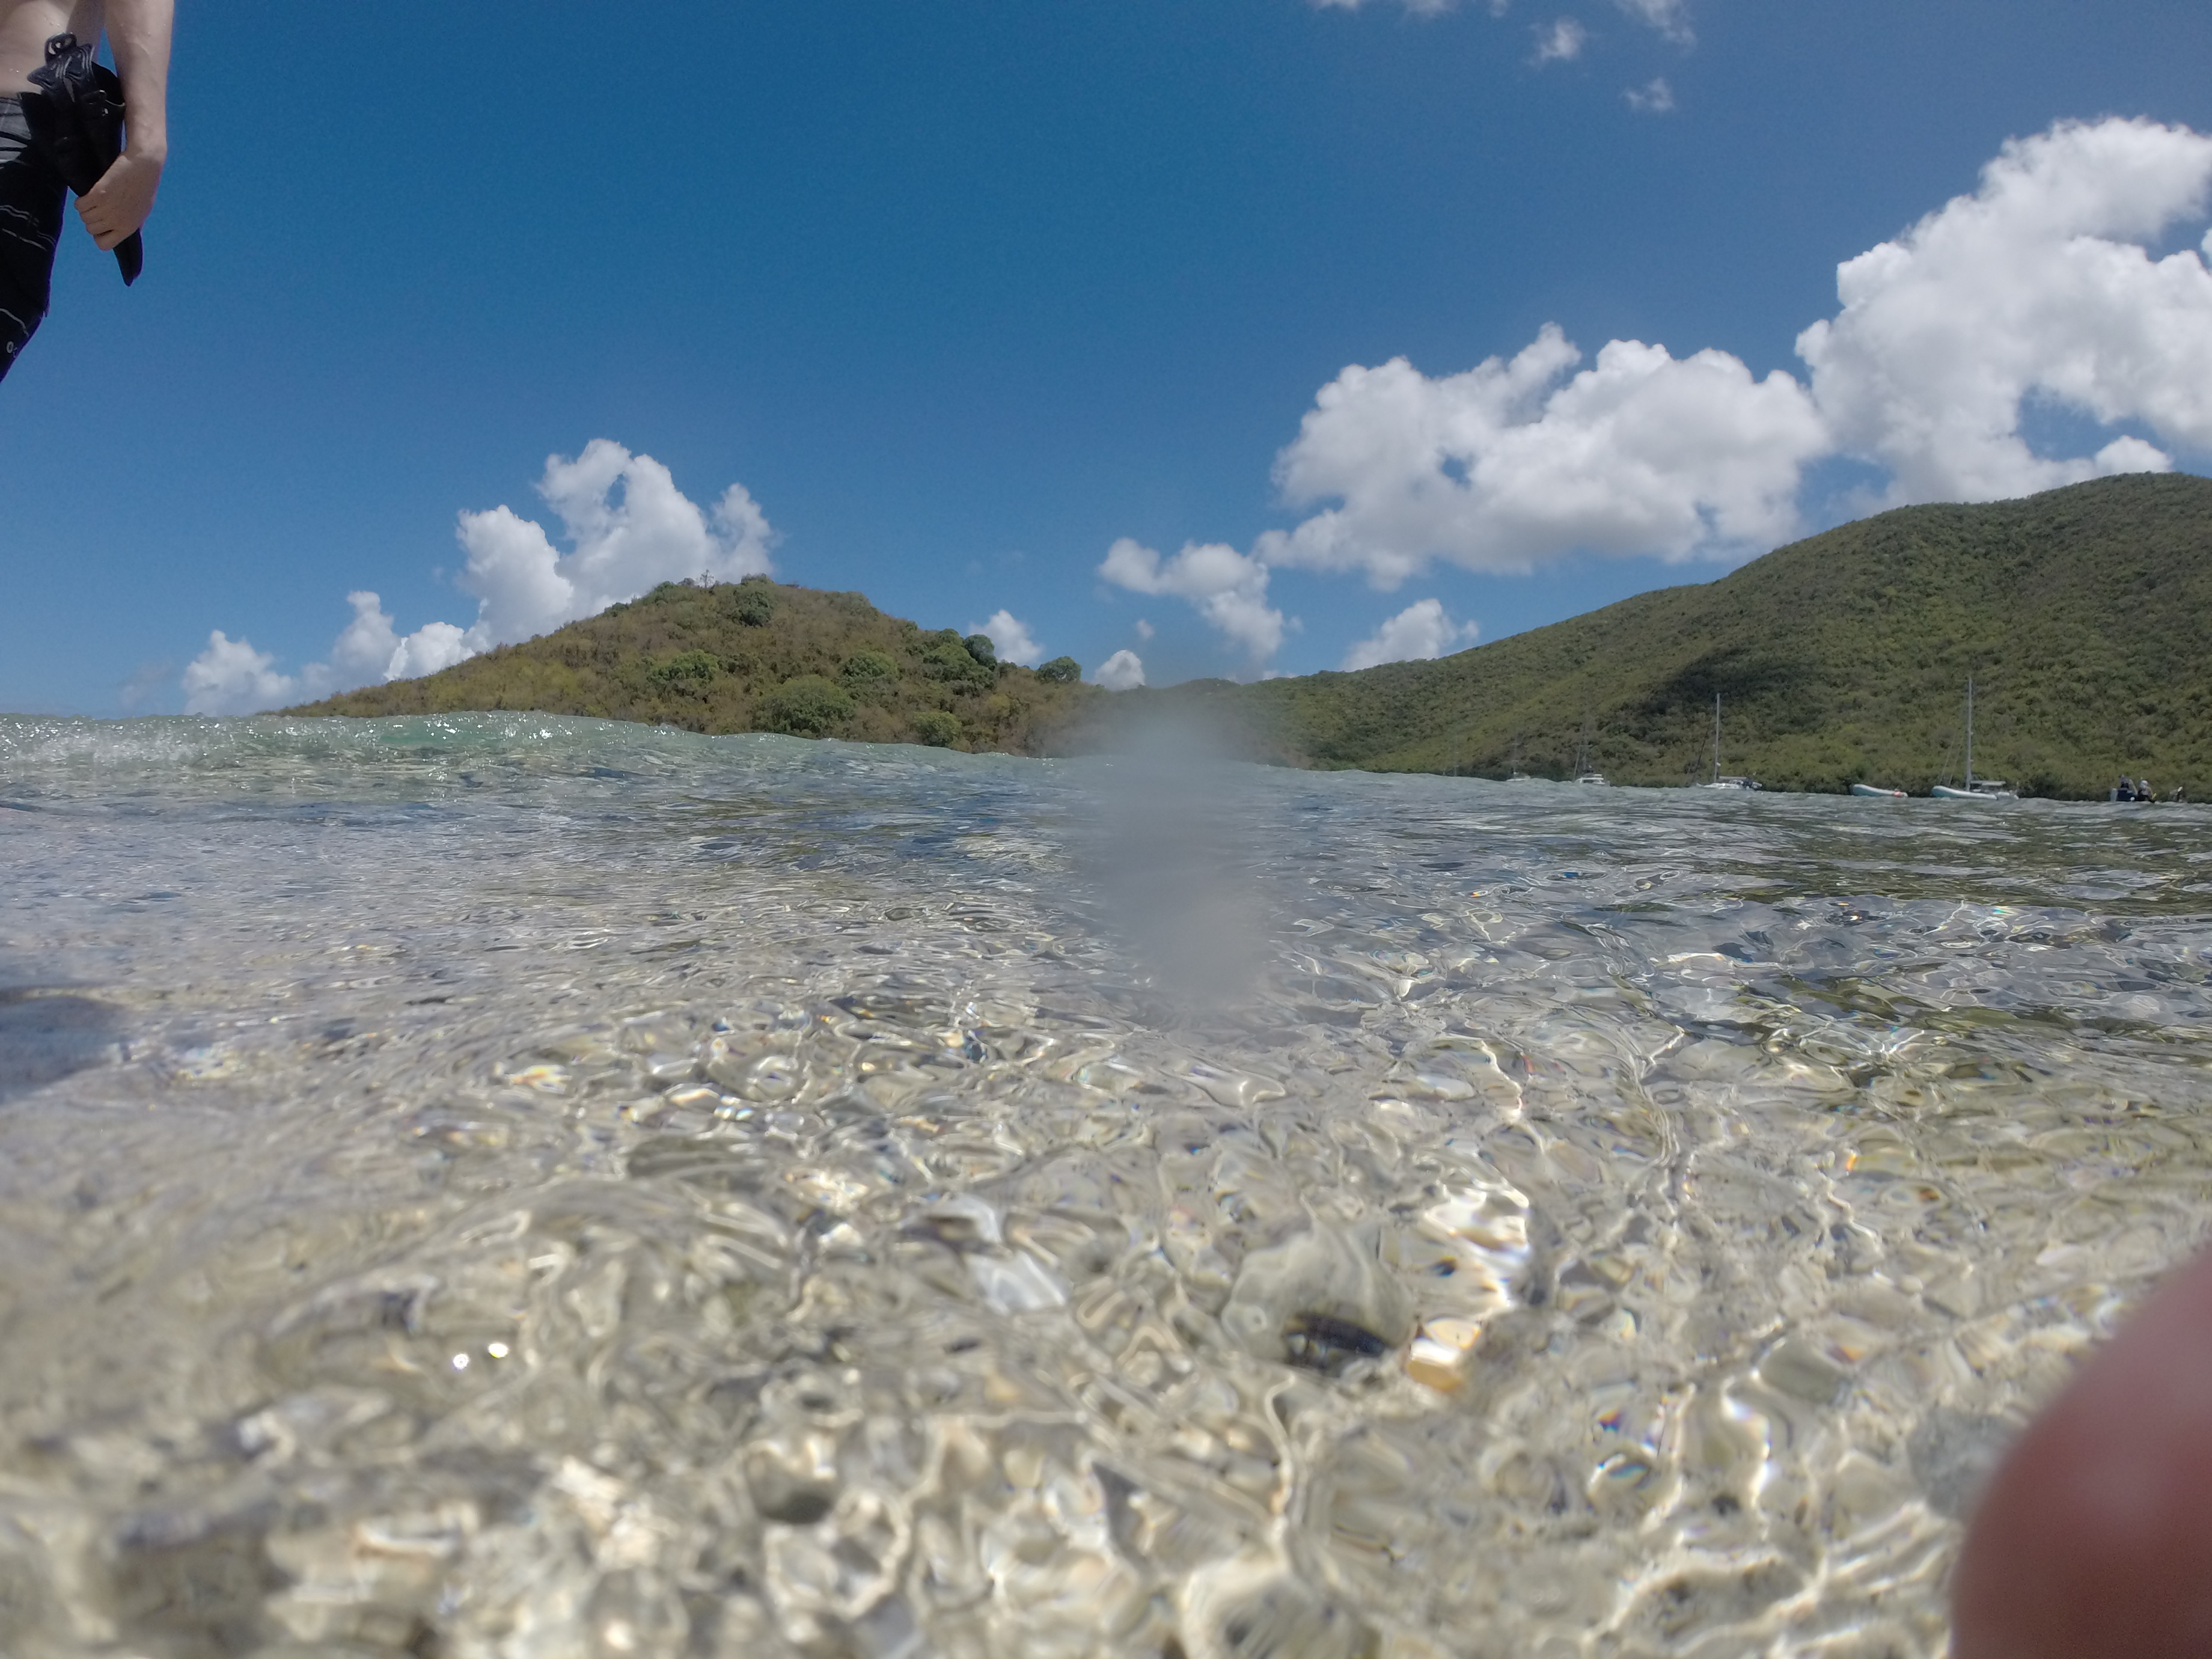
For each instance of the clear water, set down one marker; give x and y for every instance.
(506, 1186)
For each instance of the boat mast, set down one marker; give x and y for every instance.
(1716, 736)
(1970, 734)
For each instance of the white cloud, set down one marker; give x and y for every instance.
(1562, 42)
(430, 648)
(1122, 672)
(1654, 97)
(1420, 631)
(362, 652)
(1514, 463)
(2038, 287)
(1418, 8)
(652, 534)
(1228, 589)
(231, 678)
(1010, 637)
(2045, 289)
(1143, 628)
(630, 529)
(1670, 17)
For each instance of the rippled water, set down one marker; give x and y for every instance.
(500, 1186)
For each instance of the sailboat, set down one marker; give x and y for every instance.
(1719, 782)
(1516, 775)
(1984, 789)
(1584, 771)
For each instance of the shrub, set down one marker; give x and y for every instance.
(1061, 671)
(983, 649)
(809, 705)
(949, 658)
(937, 728)
(754, 603)
(691, 666)
(868, 670)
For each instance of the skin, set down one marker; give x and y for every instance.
(138, 33)
(2095, 1540)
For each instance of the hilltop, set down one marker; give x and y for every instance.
(2084, 615)
(756, 656)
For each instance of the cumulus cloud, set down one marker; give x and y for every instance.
(1010, 638)
(430, 648)
(231, 678)
(1421, 630)
(1122, 672)
(1561, 41)
(1228, 589)
(620, 547)
(1519, 461)
(2037, 287)
(1143, 628)
(363, 650)
(628, 528)
(1654, 97)
(2046, 289)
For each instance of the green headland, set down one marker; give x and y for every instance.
(2084, 616)
(756, 656)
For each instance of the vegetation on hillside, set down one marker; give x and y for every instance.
(756, 656)
(2083, 614)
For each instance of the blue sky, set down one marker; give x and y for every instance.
(998, 307)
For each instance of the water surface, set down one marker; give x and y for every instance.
(510, 1186)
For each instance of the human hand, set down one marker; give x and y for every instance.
(119, 203)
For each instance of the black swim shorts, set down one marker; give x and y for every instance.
(32, 197)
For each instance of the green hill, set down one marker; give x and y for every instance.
(2084, 615)
(756, 656)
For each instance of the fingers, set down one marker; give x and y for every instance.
(100, 222)
(119, 203)
(111, 214)
(97, 220)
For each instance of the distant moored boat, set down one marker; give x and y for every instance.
(1720, 780)
(1879, 795)
(1584, 772)
(1977, 789)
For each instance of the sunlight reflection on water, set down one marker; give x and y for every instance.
(503, 1185)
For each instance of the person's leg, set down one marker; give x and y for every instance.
(32, 197)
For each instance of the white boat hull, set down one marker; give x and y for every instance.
(1945, 792)
(1878, 794)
